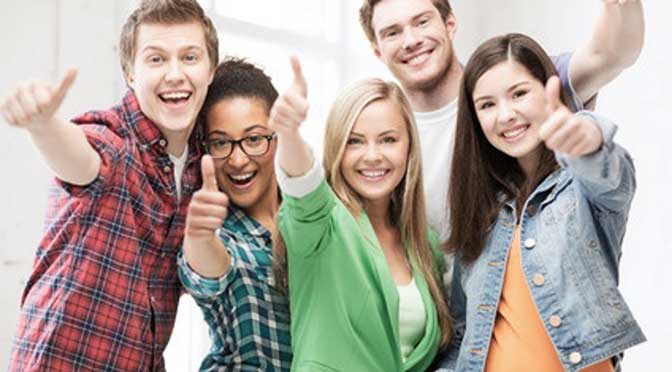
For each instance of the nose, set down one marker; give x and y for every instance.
(411, 39)
(238, 158)
(372, 153)
(506, 113)
(174, 75)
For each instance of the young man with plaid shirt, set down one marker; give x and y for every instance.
(104, 288)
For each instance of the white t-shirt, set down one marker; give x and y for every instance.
(436, 130)
(412, 318)
(437, 139)
(178, 168)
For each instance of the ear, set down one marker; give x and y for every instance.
(451, 25)
(129, 79)
(376, 50)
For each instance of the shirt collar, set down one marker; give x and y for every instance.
(148, 132)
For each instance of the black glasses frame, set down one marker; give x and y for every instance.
(239, 143)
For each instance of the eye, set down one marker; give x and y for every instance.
(485, 105)
(423, 21)
(354, 141)
(253, 141)
(519, 93)
(191, 57)
(388, 139)
(218, 143)
(390, 34)
(155, 59)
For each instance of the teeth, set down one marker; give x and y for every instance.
(176, 95)
(241, 177)
(374, 174)
(513, 133)
(418, 59)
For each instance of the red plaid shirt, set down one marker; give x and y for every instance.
(104, 289)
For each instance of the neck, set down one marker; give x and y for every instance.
(266, 209)
(439, 94)
(379, 213)
(529, 163)
(177, 141)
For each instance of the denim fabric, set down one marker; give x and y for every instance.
(572, 230)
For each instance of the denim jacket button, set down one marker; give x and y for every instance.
(538, 279)
(529, 243)
(555, 321)
(575, 357)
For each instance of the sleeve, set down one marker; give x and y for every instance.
(305, 214)
(561, 62)
(200, 287)
(109, 147)
(607, 176)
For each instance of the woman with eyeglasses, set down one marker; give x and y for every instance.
(226, 261)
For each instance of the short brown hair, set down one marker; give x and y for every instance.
(165, 12)
(366, 15)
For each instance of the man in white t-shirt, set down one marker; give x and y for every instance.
(414, 39)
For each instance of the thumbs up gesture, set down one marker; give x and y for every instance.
(565, 132)
(207, 209)
(291, 108)
(33, 104)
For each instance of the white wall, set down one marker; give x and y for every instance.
(41, 38)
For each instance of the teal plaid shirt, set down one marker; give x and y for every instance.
(248, 317)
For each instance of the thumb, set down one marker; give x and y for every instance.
(299, 81)
(208, 173)
(553, 94)
(64, 86)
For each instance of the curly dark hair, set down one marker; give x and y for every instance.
(235, 77)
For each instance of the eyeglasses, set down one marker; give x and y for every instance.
(255, 145)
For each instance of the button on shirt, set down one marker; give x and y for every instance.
(104, 288)
(247, 316)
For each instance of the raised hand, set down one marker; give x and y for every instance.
(291, 108)
(33, 104)
(207, 209)
(565, 132)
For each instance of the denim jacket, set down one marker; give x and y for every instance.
(572, 228)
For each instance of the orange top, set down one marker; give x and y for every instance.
(519, 339)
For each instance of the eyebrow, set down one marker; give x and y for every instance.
(247, 130)
(396, 25)
(391, 131)
(160, 49)
(512, 87)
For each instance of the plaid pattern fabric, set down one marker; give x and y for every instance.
(104, 289)
(247, 316)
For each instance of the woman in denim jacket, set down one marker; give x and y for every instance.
(539, 202)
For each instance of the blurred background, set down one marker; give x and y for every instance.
(40, 39)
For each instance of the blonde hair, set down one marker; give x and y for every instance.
(408, 200)
(165, 12)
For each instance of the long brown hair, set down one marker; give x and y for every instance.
(407, 209)
(480, 172)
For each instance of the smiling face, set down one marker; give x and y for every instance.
(375, 156)
(511, 105)
(248, 180)
(170, 75)
(414, 42)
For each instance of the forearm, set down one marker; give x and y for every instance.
(208, 259)
(67, 151)
(294, 155)
(619, 33)
(615, 44)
